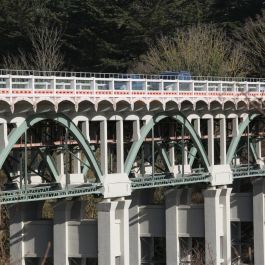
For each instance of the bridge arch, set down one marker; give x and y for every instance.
(235, 141)
(147, 128)
(63, 120)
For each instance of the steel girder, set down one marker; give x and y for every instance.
(63, 120)
(150, 124)
(235, 141)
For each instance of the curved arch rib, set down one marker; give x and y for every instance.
(148, 126)
(235, 141)
(16, 133)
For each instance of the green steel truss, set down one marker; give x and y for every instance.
(47, 192)
(235, 141)
(63, 120)
(148, 181)
(54, 190)
(181, 119)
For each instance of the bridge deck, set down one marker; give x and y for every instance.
(56, 84)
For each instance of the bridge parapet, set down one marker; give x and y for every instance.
(77, 87)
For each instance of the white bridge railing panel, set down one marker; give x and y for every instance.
(118, 85)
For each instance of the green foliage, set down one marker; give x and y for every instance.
(107, 36)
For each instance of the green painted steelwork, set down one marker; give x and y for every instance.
(235, 141)
(148, 126)
(192, 155)
(16, 133)
(163, 153)
(50, 163)
(148, 181)
(47, 192)
(164, 181)
(253, 151)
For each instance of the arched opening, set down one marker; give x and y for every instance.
(86, 106)
(45, 106)
(186, 105)
(23, 106)
(215, 106)
(201, 106)
(104, 106)
(66, 106)
(139, 106)
(123, 106)
(5, 107)
(155, 105)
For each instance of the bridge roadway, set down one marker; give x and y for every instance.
(29, 97)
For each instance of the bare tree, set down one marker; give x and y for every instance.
(252, 37)
(201, 49)
(46, 43)
(45, 54)
(19, 61)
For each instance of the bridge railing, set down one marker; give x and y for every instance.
(4, 72)
(39, 83)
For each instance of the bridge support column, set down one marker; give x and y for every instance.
(77, 163)
(20, 213)
(226, 241)
(113, 232)
(210, 141)
(136, 130)
(172, 147)
(197, 126)
(135, 240)
(16, 234)
(172, 239)
(123, 215)
(85, 129)
(60, 163)
(62, 212)
(258, 220)
(3, 135)
(104, 147)
(185, 158)
(217, 226)
(120, 148)
(235, 132)
(235, 127)
(222, 141)
(172, 156)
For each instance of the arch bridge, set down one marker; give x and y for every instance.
(70, 134)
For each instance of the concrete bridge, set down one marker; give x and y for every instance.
(123, 137)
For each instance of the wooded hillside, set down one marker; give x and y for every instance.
(110, 36)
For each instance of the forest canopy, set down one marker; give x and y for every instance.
(115, 36)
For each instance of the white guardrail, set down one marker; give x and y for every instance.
(38, 84)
